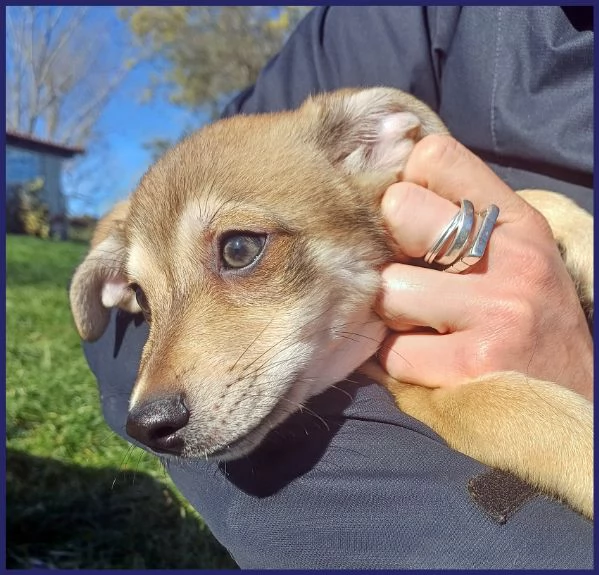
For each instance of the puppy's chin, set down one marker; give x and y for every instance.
(285, 407)
(353, 343)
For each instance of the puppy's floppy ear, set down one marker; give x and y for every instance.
(100, 281)
(371, 130)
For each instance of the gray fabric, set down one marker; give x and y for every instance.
(515, 84)
(374, 488)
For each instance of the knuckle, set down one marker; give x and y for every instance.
(485, 359)
(537, 263)
(537, 221)
(468, 360)
(518, 312)
(539, 268)
(400, 198)
(510, 327)
(438, 149)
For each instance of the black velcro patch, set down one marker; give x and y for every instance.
(500, 494)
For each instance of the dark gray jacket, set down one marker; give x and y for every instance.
(377, 488)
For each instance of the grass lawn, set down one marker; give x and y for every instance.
(75, 498)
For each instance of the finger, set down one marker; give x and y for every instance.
(407, 357)
(415, 218)
(414, 296)
(442, 164)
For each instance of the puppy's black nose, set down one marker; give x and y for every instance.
(157, 422)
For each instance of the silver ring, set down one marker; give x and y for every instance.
(479, 245)
(456, 223)
(443, 238)
(458, 244)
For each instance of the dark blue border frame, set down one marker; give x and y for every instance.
(3, 332)
(595, 344)
(3, 308)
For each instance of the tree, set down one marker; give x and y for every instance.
(205, 54)
(58, 76)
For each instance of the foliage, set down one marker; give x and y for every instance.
(158, 147)
(84, 221)
(81, 228)
(78, 496)
(26, 212)
(208, 53)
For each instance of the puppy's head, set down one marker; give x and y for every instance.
(253, 249)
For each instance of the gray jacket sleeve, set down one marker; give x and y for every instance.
(353, 482)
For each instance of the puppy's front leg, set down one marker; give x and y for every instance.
(539, 431)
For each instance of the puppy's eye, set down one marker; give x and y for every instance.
(241, 250)
(142, 301)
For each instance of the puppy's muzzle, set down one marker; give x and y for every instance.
(156, 424)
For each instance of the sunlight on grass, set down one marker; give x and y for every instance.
(64, 507)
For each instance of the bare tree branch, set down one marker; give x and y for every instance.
(57, 77)
(65, 36)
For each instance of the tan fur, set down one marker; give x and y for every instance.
(113, 221)
(572, 229)
(88, 294)
(248, 348)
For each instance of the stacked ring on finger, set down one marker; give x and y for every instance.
(453, 248)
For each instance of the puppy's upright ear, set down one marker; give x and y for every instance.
(100, 281)
(371, 131)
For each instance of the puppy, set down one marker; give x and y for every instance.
(253, 249)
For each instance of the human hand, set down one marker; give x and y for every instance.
(516, 310)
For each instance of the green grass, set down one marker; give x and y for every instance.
(76, 496)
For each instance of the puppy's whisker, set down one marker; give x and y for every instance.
(344, 391)
(307, 336)
(265, 367)
(295, 404)
(380, 343)
(310, 335)
(141, 454)
(122, 465)
(260, 334)
(217, 212)
(288, 336)
(268, 361)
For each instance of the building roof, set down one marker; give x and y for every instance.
(35, 144)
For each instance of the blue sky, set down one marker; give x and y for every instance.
(125, 124)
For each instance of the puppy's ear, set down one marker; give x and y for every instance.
(371, 131)
(100, 281)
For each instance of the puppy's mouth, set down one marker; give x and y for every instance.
(286, 405)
